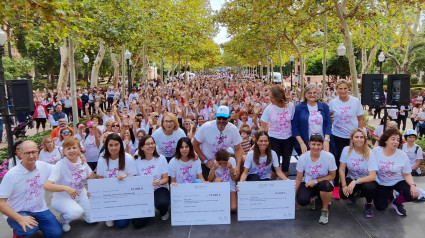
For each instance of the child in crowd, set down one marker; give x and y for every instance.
(222, 172)
(246, 138)
(413, 151)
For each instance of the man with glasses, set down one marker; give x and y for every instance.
(216, 135)
(22, 195)
(62, 124)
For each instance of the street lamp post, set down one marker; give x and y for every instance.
(260, 70)
(4, 108)
(127, 56)
(86, 61)
(341, 52)
(292, 59)
(381, 59)
(154, 70)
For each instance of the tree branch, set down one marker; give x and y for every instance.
(351, 13)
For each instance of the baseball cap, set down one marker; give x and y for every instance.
(223, 111)
(410, 132)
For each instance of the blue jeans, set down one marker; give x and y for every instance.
(47, 223)
(121, 223)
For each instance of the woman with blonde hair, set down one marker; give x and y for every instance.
(50, 153)
(277, 120)
(348, 115)
(361, 165)
(167, 135)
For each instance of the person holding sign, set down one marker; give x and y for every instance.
(315, 171)
(150, 163)
(362, 169)
(258, 162)
(183, 167)
(67, 181)
(115, 163)
(222, 172)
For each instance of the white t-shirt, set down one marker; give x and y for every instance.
(184, 172)
(391, 169)
(317, 169)
(279, 120)
(392, 113)
(23, 189)
(315, 121)
(155, 167)
(50, 157)
(41, 113)
(345, 116)
(165, 144)
(212, 140)
(70, 174)
(262, 169)
(92, 151)
(379, 131)
(357, 166)
(112, 170)
(224, 174)
(107, 118)
(413, 157)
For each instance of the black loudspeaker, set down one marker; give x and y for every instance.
(20, 95)
(398, 90)
(372, 89)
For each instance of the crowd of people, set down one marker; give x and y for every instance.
(216, 128)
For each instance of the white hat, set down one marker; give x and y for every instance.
(223, 111)
(411, 132)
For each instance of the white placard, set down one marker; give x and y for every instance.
(200, 204)
(111, 199)
(266, 200)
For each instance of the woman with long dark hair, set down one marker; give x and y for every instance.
(150, 163)
(115, 163)
(259, 162)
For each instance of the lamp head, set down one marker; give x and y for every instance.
(259, 63)
(3, 37)
(292, 58)
(381, 57)
(86, 59)
(127, 54)
(341, 49)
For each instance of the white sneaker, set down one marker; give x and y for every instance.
(65, 225)
(166, 216)
(109, 223)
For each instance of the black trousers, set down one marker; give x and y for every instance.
(283, 148)
(254, 177)
(162, 202)
(305, 194)
(367, 190)
(384, 194)
(340, 143)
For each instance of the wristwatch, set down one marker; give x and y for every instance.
(327, 139)
(205, 161)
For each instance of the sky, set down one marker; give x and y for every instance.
(222, 34)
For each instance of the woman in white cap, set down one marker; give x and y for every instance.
(413, 151)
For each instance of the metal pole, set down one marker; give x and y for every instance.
(340, 67)
(291, 74)
(6, 112)
(380, 67)
(129, 76)
(87, 75)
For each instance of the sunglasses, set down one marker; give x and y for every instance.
(222, 118)
(156, 116)
(66, 132)
(115, 125)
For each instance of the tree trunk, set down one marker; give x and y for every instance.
(116, 65)
(367, 61)
(9, 44)
(340, 10)
(135, 67)
(96, 65)
(301, 61)
(73, 84)
(409, 44)
(64, 67)
(35, 69)
(52, 78)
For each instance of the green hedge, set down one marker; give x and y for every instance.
(38, 138)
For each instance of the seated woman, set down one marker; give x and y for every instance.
(115, 163)
(315, 171)
(394, 173)
(183, 168)
(362, 167)
(150, 163)
(258, 162)
(67, 181)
